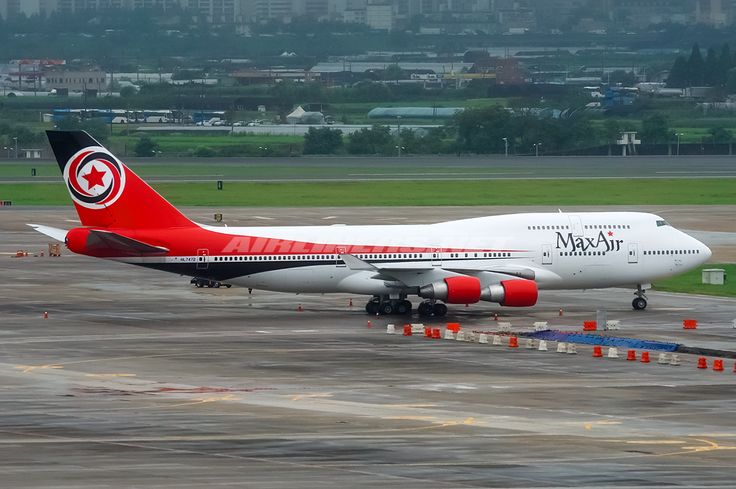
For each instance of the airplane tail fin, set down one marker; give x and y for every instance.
(106, 193)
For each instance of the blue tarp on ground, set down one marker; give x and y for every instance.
(594, 339)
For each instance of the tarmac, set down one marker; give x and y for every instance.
(138, 379)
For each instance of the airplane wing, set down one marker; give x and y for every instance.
(410, 274)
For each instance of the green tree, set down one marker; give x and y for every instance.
(483, 130)
(146, 147)
(376, 140)
(322, 141)
(679, 75)
(655, 129)
(711, 68)
(720, 135)
(695, 67)
(725, 63)
(611, 131)
(625, 78)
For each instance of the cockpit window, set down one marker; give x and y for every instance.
(661, 223)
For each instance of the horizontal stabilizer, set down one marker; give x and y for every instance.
(117, 242)
(56, 233)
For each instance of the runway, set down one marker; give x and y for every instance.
(412, 168)
(138, 379)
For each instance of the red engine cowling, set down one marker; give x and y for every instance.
(453, 290)
(512, 293)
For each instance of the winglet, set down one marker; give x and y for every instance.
(355, 263)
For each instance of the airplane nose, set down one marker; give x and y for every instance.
(706, 252)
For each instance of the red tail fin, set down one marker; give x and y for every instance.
(105, 192)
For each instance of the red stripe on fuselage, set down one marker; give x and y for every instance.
(186, 242)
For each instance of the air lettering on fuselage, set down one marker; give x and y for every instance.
(600, 242)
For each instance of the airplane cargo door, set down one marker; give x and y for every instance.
(202, 255)
(437, 257)
(546, 254)
(576, 225)
(341, 250)
(633, 253)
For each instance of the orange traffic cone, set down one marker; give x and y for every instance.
(350, 303)
(734, 367)
(427, 332)
(299, 308)
(369, 325)
(495, 316)
(718, 365)
(436, 334)
(597, 352)
(407, 330)
(513, 342)
(561, 312)
(631, 355)
(45, 315)
(645, 357)
(702, 363)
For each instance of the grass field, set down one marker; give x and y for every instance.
(690, 282)
(436, 192)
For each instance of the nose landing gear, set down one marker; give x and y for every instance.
(640, 302)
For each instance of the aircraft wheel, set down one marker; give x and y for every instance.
(216, 285)
(403, 308)
(371, 308)
(639, 303)
(424, 309)
(386, 308)
(199, 284)
(439, 310)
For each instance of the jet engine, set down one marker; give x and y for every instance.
(453, 290)
(467, 290)
(512, 293)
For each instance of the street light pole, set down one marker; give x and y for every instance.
(536, 148)
(506, 146)
(398, 133)
(16, 147)
(678, 142)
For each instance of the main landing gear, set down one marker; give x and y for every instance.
(428, 308)
(386, 306)
(640, 302)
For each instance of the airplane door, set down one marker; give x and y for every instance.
(546, 254)
(436, 257)
(633, 253)
(576, 225)
(202, 258)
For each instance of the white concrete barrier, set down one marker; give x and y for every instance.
(613, 352)
(390, 329)
(662, 359)
(529, 343)
(496, 340)
(417, 328)
(460, 336)
(542, 345)
(449, 335)
(675, 360)
(561, 347)
(541, 326)
(613, 325)
(572, 349)
(504, 327)
(483, 339)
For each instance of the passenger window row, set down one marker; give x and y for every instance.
(672, 252)
(544, 228)
(607, 226)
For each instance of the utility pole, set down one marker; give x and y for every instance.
(506, 146)
(16, 147)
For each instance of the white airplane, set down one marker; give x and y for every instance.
(503, 259)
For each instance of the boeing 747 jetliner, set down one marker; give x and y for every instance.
(503, 259)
